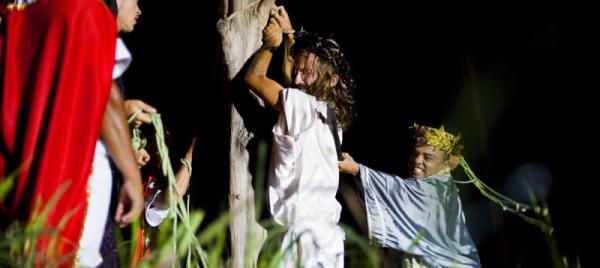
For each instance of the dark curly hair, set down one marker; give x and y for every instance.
(330, 61)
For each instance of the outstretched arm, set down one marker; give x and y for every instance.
(256, 76)
(115, 134)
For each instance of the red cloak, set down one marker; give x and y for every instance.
(56, 60)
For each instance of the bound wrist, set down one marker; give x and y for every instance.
(268, 48)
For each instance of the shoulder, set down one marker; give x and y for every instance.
(298, 101)
(69, 8)
(291, 93)
(84, 11)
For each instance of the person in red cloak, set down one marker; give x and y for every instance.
(56, 61)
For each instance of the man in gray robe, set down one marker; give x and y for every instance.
(421, 215)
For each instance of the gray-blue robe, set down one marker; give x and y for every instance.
(422, 217)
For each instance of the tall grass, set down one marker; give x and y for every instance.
(178, 241)
(18, 242)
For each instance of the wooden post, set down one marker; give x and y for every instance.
(240, 29)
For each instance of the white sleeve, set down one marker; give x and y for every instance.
(298, 110)
(154, 214)
(122, 59)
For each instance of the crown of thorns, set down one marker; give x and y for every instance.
(327, 49)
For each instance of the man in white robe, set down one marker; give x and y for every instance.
(304, 177)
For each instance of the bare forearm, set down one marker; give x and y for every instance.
(257, 80)
(288, 59)
(183, 180)
(261, 61)
(116, 136)
(184, 173)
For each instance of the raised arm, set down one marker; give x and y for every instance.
(256, 75)
(282, 18)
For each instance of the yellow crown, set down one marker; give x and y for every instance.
(438, 138)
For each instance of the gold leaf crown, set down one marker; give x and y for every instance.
(438, 138)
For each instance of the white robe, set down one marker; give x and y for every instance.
(303, 183)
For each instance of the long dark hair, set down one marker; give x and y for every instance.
(154, 167)
(330, 61)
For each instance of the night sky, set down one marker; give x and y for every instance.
(515, 83)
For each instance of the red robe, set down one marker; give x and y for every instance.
(56, 60)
